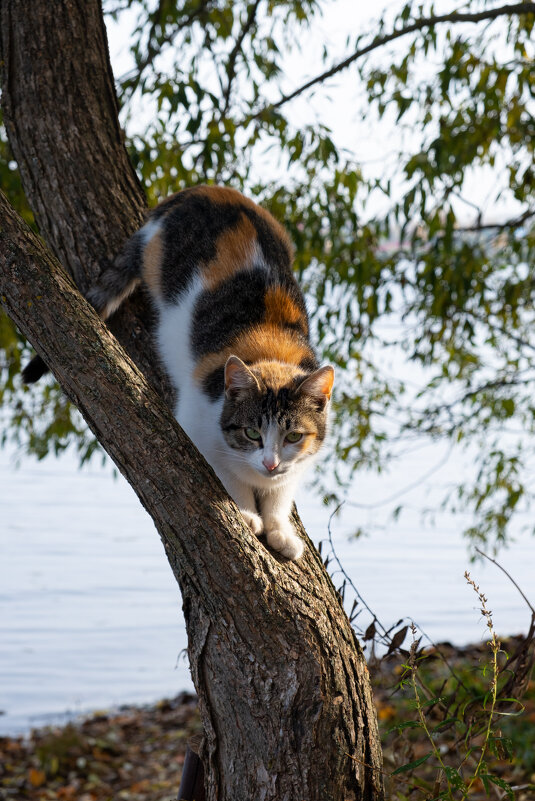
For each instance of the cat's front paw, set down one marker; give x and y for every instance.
(254, 521)
(282, 538)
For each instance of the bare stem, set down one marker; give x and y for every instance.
(495, 646)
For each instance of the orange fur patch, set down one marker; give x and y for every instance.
(281, 309)
(231, 197)
(253, 345)
(308, 443)
(222, 194)
(152, 263)
(276, 374)
(281, 345)
(235, 251)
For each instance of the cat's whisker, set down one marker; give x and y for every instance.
(234, 454)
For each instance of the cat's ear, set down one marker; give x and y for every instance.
(319, 384)
(238, 377)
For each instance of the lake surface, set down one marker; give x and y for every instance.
(90, 614)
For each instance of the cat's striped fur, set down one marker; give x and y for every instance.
(233, 334)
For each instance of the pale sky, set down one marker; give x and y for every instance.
(341, 104)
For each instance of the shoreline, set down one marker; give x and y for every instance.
(136, 752)
(131, 752)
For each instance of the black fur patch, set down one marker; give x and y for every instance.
(214, 384)
(234, 306)
(273, 248)
(309, 364)
(34, 370)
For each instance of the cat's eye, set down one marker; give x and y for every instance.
(293, 436)
(253, 434)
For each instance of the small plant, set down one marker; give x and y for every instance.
(452, 724)
(454, 747)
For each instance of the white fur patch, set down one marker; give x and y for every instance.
(149, 229)
(195, 411)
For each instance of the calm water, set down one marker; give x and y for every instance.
(90, 614)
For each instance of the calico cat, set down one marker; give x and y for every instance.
(233, 336)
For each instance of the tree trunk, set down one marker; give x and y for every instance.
(60, 112)
(283, 687)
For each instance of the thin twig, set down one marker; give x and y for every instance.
(345, 575)
(231, 64)
(511, 579)
(154, 49)
(514, 222)
(407, 488)
(379, 41)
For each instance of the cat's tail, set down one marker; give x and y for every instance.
(115, 284)
(34, 370)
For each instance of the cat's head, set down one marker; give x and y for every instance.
(274, 417)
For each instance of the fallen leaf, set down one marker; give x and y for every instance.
(36, 777)
(386, 713)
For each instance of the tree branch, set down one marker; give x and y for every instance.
(132, 80)
(283, 688)
(231, 64)
(514, 222)
(511, 579)
(379, 41)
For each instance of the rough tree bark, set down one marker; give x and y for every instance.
(283, 687)
(61, 115)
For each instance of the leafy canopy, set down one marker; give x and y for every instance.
(419, 260)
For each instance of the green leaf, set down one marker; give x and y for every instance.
(408, 724)
(502, 785)
(412, 765)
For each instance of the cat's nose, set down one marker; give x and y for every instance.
(270, 463)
